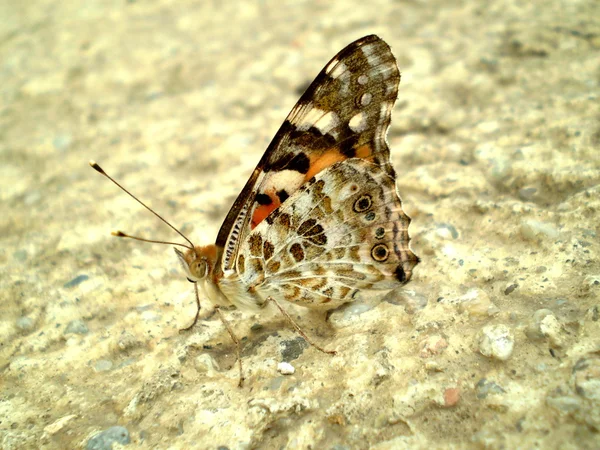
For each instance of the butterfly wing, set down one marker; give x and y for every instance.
(342, 232)
(345, 113)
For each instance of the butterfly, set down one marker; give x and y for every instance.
(320, 219)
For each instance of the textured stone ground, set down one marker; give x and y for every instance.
(496, 140)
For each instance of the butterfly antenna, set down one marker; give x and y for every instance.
(125, 235)
(99, 169)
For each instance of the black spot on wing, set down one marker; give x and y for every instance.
(298, 162)
(400, 274)
(348, 144)
(297, 252)
(283, 195)
(312, 138)
(268, 250)
(263, 199)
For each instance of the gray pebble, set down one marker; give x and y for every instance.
(77, 326)
(510, 288)
(293, 348)
(25, 323)
(566, 403)
(75, 281)
(103, 365)
(486, 387)
(104, 440)
(527, 194)
(20, 255)
(586, 378)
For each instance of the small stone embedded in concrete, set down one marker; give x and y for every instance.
(451, 397)
(486, 387)
(534, 230)
(496, 341)
(586, 378)
(59, 424)
(75, 281)
(432, 345)
(285, 368)
(592, 280)
(593, 313)
(477, 302)
(20, 255)
(76, 326)
(103, 365)
(127, 341)
(565, 403)
(105, 439)
(206, 364)
(551, 328)
(545, 325)
(527, 193)
(25, 323)
(293, 348)
(533, 330)
(510, 288)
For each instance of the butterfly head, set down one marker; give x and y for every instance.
(198, 262)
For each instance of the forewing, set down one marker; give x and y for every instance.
(345, 113)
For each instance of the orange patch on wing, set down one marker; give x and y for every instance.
(363, 151)
(261, 212)
(329, 158)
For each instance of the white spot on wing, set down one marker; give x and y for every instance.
(290, 180)
(339, 71)
(358, 123)
(387, 70)
(366, 98)
(327, 122)
(389, 88)
(363, 79)
(323, 121)
(371, 56)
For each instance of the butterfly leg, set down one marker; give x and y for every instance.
(235, 339)
(297, 327)
(197, 310)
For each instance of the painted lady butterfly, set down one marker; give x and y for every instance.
(320, 219)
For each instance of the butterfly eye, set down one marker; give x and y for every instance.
(198, 269)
